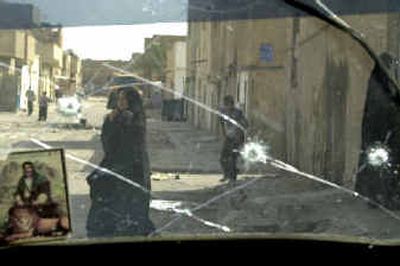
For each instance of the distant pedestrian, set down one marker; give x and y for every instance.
(234, 137)
(43, 106)
(31, 97)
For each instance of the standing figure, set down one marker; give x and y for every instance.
(119, 208)
(380, 130)
(234, 138)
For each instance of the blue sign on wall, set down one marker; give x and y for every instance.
(266, 52)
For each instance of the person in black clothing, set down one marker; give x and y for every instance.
(118, 208)
(380, 128)
(234, 138)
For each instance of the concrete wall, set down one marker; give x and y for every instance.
(8, 90)
(332, 75)
(265, 78)
(30, 46)
(203, 86)
(76, 69)
(51, 63)
(17, 51)
(17, 44)
(58, 54)
(7, 43)
(12, 44)
(66, 65)
(169, 71)
(71, 77)
(75, 74)
(46, 81)
(51, 54)
(180, 68)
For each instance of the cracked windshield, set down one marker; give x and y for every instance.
(155, 119)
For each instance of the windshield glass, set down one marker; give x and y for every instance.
(154, 119)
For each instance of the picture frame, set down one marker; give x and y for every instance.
(34, 201)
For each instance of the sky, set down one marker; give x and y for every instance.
(115, 42)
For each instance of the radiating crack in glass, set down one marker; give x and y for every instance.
(255, 151)
(378, 156)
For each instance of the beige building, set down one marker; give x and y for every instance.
(167, 54)
(32, 57)
(301, 82)
(175, 72)
(18, 69)
(50, 52)
(70, 80)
